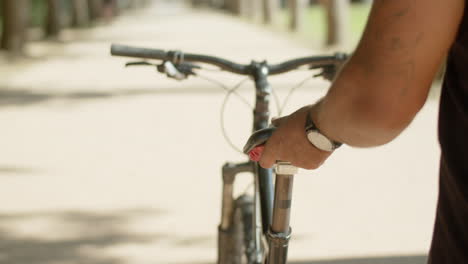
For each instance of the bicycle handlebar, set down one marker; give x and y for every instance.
(177, 56)
(145, 53)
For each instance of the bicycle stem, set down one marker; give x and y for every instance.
(263, 92)
(262, 120)
(271, 212)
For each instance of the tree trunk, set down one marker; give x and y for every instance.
(244, 6)
(109, 9)
(95, 9)
(53, 19)
(136, 3)
(198, 3)
(217, 3)
(80, 15)
(254, 9)
(270, 8)
(337, 21)
(296, 8)
(230, 6)
(15, 21)
(234, 6)
(250, 8)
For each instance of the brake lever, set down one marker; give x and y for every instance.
(328, 71)
(187, 68)
(139, 63)
(174, 71)
(256, 142)
(179, 71)
(171, 71)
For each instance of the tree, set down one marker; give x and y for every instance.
(16, 17)
(95, 9)
(243, 7)
(269, 11)
(198, 3)
(233, 6)
(296, 8)
(80, 13)
(109, 9)
(217, 3)
(337, 21)
(253, 9)
(53, 23)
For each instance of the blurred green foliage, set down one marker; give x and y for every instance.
(38, 12)
(315, 23)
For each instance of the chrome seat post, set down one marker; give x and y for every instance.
(280, 231)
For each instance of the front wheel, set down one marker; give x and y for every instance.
(236, 245)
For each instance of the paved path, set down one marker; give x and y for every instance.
(105, 165)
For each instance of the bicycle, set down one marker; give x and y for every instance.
(255, 227)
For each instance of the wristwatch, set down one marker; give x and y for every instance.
(318, 139)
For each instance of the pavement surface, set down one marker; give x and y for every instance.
(105, 165)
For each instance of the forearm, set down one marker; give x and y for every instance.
(386, 81)
(365, 109)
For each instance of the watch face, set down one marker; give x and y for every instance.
(320, 141)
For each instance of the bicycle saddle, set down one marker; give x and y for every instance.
(255, 143)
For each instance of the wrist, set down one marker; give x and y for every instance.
(315, 135)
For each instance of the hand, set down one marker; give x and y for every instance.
(289, 143)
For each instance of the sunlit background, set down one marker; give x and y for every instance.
(101, 164)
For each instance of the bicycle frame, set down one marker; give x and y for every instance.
(270, 217)
(263, 178)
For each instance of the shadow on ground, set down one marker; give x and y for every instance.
(21, 97)
(26, 97)
(14, 170)
(93, 232)
(416, 259)
(76, 236)
(29, 97)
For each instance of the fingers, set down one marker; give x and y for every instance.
(267, 161)
(285, 144)
(301, 154)
(311, 160)
(289, 143)
(272, 146)
(269, 156)
(277, 121)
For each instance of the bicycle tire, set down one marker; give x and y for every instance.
(237, 246)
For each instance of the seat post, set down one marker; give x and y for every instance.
(280, 231)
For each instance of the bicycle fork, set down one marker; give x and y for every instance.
(225, 228)
(279, 232)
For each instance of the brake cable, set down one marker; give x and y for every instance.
(180, 70)
(291, 91)
(233, 90)
(229, 92)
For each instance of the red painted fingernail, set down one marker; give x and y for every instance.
(256, 153)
